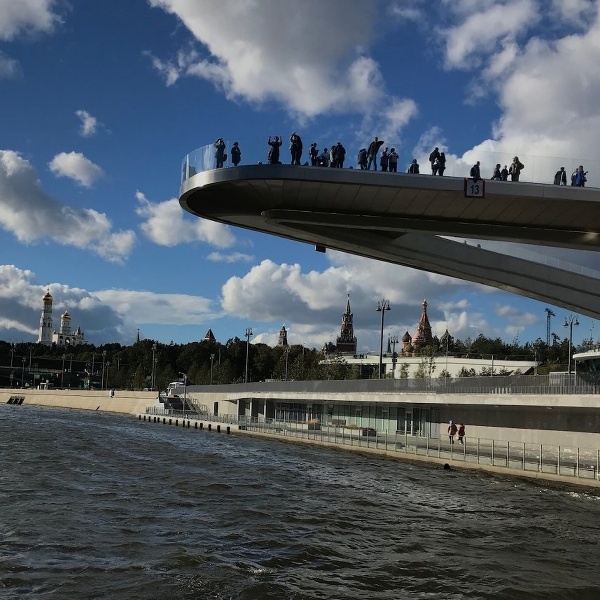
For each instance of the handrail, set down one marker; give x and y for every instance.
(538, 169)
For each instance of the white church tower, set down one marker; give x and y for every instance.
(46, 330)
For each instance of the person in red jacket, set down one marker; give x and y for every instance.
(452, 429)
(461, 433)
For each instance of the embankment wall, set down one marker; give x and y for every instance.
(123, 401)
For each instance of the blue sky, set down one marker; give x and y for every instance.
(101, 101)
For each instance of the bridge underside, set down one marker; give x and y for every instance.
(398, 218)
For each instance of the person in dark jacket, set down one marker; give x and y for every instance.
(236, 154)
(372, 153)
(580, 177)
(515, 169)
(393, 161)
(220, 155)
(275, 144)
(434, 158)
(384, 159)
(476, 171)
(414, 167)
(441, 163)
(296, 148)
(362, 159)
(314, 154)
(561, 177)
(497, 176)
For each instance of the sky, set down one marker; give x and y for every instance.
(100, 102)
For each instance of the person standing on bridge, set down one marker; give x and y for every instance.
(580, 177)
(515, 169)
(372, 153)
(236, 154)
(476, 171)
(433, 159)
(393, 161)
(441, 163)
(504, 173)
(561, 177)
(275, 144)
(220, 155)
(414, 167)
(461, 433)
(296, 148)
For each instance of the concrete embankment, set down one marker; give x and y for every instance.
(122, 401)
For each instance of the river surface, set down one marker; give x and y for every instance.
(102, 506)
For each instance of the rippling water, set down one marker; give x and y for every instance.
(103, 506)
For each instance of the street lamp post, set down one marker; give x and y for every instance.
(184, 375)
(62, 373)
(12, 354)
(212, 360)
(23, 373)
(393, 341)
(287, 354)
(248, 334)
(569, 322)
(103, 363)
(153, 376)
(382, 306)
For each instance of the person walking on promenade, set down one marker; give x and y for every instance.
(324, 158)
(275, 144)
(393, 161)
(515, 169)
(340, 155)
(372, 153)
(441, 163)
(561, 177)
(433, 159)
(497, 174)
(504, 173)
(236, 154)
(414, 167)
(220, 155)
(452, 429)
(461, 433)
(476, 171)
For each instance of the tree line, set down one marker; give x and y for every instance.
(149, 364)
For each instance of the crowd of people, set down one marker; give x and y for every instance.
(335, 156)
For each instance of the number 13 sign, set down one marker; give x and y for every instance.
(474, 188)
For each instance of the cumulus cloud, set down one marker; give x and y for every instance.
(27, 16)
(32, 216)
(89, 123)
(312, 303)
(21, 305)
(261, 52)
(165, 224)
(77, 167)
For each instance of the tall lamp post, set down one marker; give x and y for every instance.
(23, 373)
(62, 373)
(103, 363)
(382, 306)
(184, 375)
(569, 322)
(212, 360)
(12, 354)
(287, 355)
(153, 376)
(393, 341)
(248, 334)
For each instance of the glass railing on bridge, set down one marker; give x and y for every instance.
(255, 151)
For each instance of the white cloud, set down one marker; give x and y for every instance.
(77, 167)
(312, 303)
(33, 216)
(89, 123)
(311, 61)
(233, 257)
(9, 67)
(19, 17)
(144, 307)
(165, 224)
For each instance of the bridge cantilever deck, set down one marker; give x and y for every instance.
(399, 218)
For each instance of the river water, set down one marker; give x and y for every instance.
(103, 506)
